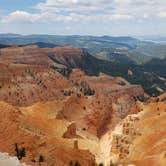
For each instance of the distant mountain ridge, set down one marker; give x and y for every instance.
(43, 45)
(138, 50)
(3, 46)
(53, 39)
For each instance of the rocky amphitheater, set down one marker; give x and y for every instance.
(53, 116)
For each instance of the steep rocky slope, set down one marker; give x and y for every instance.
(26, 84)
(73, 119)
(113, 99)
(85, 133)
(26, 79)
(139, 139)
(33, 55)
(23, 85)
(38, 134)
(55, 114)
(63, 59)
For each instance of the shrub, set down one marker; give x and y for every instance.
(20, 153)
(86, 89)
(77, 164)
(74, 163)
(71, 163)
(41, 158)
(111, 163)
(101, 164)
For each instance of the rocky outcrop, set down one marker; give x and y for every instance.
(39, 135)
(60, 110)
(107, 126)
(60, 57)
(25, 84)
(138, 139)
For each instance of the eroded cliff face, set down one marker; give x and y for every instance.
(33, 55)
(63, 116)
(70, 123)
(30, 74)
(41, 134)
(23, 85)
(139, 139)
(98, 103)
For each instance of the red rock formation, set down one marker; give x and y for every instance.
(74, 116)
(34, 132)
(65, 56)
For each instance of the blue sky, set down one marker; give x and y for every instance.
(84, 17)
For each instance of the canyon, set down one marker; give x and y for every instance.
(55, 112)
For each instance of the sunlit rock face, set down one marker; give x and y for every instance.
(53, 113)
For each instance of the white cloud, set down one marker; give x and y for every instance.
(140, 9)
(162, 14)
(20, 16)
(134, 8)
(74, 5)
(90, 10)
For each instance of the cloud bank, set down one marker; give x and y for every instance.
(121, 17)
(85, 10)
